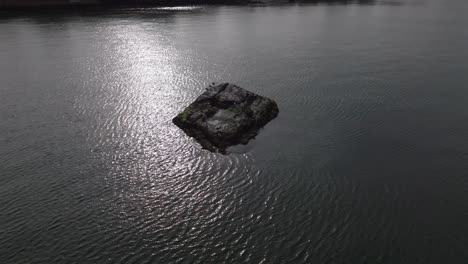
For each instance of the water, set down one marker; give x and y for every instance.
(366, 163)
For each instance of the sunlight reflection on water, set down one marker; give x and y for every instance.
(179, 8)
(94, 171)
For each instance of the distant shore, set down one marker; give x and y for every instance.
(77, 4)
(28, 4)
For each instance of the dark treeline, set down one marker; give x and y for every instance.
(81, 3)
(195, 2)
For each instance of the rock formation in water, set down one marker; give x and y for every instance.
(226, 115)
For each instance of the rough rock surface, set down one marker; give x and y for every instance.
(226, 115)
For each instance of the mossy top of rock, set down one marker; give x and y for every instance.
(226, 115)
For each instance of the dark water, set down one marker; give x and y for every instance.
(366, 163)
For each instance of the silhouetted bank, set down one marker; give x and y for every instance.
(75, 3)
(35, 3)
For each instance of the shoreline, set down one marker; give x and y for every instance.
(54, 9)
(123, 4)
(90, 5)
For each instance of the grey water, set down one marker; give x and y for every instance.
(367, 161)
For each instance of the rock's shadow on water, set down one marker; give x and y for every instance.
(226, 115)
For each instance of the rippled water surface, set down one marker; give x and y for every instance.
(366, 163)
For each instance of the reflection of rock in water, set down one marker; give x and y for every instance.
(226, 115)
